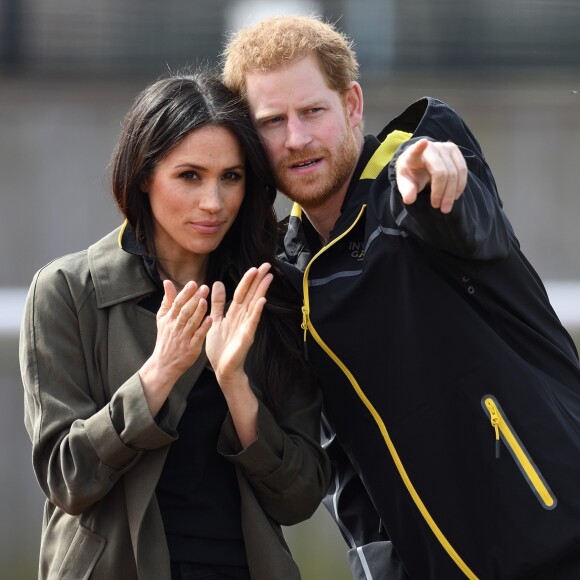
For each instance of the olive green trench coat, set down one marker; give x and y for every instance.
(97, 451)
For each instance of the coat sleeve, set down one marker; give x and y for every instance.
(82, 443)
(477, 227)
(286, 466)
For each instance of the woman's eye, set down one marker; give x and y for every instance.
(188, 175)
(232, 176)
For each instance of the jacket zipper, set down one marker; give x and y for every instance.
(306, 304)
(505, 432)
(307, 326)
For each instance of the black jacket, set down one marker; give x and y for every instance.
(449, 382)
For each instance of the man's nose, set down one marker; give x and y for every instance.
(297, 134)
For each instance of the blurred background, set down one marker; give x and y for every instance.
(70, 70)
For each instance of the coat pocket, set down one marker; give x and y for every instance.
(82, 555)
(504, 432)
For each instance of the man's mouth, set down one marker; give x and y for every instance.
(303, 164)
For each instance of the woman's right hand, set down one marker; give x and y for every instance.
(182, 326)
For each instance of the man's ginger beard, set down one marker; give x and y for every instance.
(339, 166)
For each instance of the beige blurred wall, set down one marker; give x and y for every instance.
(58, 127)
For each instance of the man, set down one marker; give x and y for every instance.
(452, 391)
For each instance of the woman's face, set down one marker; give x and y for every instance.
(195, 194)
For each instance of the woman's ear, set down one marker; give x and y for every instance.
(144, 185)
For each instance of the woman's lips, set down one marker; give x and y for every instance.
(207, 227)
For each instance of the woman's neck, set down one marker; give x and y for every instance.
(182, 273)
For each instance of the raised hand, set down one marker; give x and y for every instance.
(232, 334)
(182, 326)
(229, 341)
(439, 164)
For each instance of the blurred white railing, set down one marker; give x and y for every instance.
(11, 307)
(565, 298)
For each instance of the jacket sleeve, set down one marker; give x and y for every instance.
(370, 549)
(476, 228)
(82, 444)
(286, 466)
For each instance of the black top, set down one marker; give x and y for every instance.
(197, 492)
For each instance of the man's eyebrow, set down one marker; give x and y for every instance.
(266, 115)
(301, 107)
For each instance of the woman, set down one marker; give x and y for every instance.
(171, 443)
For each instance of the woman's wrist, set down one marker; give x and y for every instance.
(157, 383)
(243, 406)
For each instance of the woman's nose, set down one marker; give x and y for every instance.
(211, 199)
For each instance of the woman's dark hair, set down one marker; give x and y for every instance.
(162, 115)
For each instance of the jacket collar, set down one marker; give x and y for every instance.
(371, 143)
(118, 275)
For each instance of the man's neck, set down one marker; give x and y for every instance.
(325, 216)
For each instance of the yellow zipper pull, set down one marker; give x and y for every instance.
(494, 417)
(304, 327)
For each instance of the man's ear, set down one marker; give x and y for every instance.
(354, 104)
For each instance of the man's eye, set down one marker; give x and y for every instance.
(272, 121)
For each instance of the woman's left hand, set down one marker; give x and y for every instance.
(228, 342)
(231, 335)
